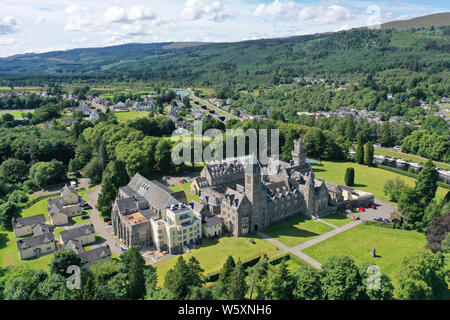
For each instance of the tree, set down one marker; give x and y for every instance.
(421, 277)
(226, 271)
(350, 129)
(368, 154)
(163, 160)
(341, 279)
(437, 231)
(307, 284)
(134, 264)
(278, 285)
(394, 188)
(94, 170)
(359, 154)
(237, 287)
(411, 208)
(61, 260)
(195, 273)
(349, 178)
(176, 280)
(426, 184)
(379, 288)
(8, 211)
(257, 273)
(14, 170)
(48, 173)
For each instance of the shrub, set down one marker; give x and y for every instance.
(349, 177)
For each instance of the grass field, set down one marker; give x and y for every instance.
(37, 208)
(186, 187)
(9, 255)
(293, 263)
(336, 220)
(213, 253)
(391, 246)
(130, 115)
(296, 230)
(366, 178)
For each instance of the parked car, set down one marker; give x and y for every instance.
(373, 206)
(107, 219)
(86, 206)
(181, 181)
(85, 217)
(109, 223)
(386, 220)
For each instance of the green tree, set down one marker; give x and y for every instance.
(349, 178)
(237, 287)
(13, 170)
(411, 208)
(61, 260)
(379, 288)
(227, 269)
(394, 188)
(163, 160)
(426, 184)
(368, 154)
(359, 153)
(48, 173)
(8, 211)
(134, 265)
(307, 284)
(94, 170)
(341, 279)
(421, 277)
(176, 279)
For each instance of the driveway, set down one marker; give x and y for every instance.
(102, 228)
(383, 210)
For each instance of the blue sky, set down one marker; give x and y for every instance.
(46, 25)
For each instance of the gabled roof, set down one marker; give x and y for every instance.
(35, 241)
(95, 254)
(74, 245)
(212, 221)
(158, 195)
(29, 221)
(79, 231)
(40, 229)
(67, 190)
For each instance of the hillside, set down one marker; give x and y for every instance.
(436, 20)
(343, 55)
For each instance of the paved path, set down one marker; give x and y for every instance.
(99, 225)
(327, 223)
(297, 250)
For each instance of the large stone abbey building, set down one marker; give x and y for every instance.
(242, 198)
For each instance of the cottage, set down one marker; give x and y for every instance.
(212, 227)
(83, 233)
(24, 226)
(36, 246)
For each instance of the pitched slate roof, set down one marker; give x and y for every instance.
(29, 221)
(74, 245)
(40, 229)
(55, 206)
(79, 231)
(35, 241)
(95, 254)
(66, 190)
(126, 205)
(158, 195)
(212, 221)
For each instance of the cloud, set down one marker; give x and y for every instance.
(40, 20)
(276, 9)
(118, 14)
(8, 25)
(325, 15)
(198, 9)
(76, 18)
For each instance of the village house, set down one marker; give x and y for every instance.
(24, 226)
(83, 233)
(36, 246)
(100, 254)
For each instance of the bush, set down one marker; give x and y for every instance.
(349, 177)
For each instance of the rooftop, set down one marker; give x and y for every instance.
(135, 218)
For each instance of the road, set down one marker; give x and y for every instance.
(102, 228)
(297, 250)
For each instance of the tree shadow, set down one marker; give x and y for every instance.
(358, 185)
(3, 240)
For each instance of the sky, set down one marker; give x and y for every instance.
(44, 25)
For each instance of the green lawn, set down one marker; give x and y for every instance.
(9, 255)
(16, 113)
(186, 187)
(391, 246)
(131, 115)
(366, 178)
(336, 220)
(293, 263)
(213, 253)
(296, 230)
(37, 208)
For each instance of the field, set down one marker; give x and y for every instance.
(391, 246)
(130, 115)
(213, 253)
(37, 208)
(296, 230)
(336, 220)
(15, 113)
(9, 256)
(366, 178)
(186, 188)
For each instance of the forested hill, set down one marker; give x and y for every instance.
(343, 55)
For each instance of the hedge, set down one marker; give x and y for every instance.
(214, 276)
(32, 202)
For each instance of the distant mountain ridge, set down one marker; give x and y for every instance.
(356, 51)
